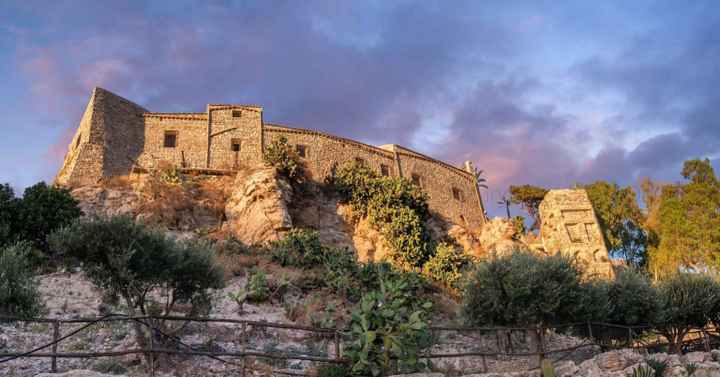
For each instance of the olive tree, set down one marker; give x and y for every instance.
(149, 272)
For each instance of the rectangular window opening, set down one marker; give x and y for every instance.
(384, 170)
(457, 194)
(301, 150)
(236, 113)
(235, 145)
(170, 139)
(416, 180)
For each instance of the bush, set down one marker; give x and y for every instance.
(526, 290)
(129, 261)
(333, 370)
(633, 299)
(300, 248)
(258, 289)
(280, 155)
(388, 325)
(44, 209)
(688, 301)
(447, 265)
(19, 296)
(396, 207)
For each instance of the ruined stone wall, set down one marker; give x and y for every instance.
(323, 151)
(569, 226)
(191, 144)
(235, 124)
(79, 157)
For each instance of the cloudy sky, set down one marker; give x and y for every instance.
(543, 92)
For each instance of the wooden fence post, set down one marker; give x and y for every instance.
(541, 344)
(590, 333)
(56, 336)
(337, 345)
(152, 355)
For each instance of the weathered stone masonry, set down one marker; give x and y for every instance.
(116, 135)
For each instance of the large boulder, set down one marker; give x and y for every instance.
(257, 210)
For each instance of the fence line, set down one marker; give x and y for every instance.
(540, 351)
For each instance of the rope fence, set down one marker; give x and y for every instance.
(486, 343)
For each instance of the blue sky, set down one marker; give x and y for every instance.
(542, 92)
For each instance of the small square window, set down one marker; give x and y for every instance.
(301, 150)
(170, 139)
(384, 170)
(416, 180)
(236, 113)
(457, 194)
(235, 145)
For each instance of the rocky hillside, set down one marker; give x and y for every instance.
(258, 205)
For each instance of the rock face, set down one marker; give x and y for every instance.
(78, 373)
(569, 226)
(499, 237)
(257, 210)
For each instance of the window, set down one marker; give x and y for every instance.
(416, 180)
(300, 149)
(235, 145)
(236, 113)
(170, 139)
(384, 170)
(457, 194)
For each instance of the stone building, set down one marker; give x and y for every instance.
(116, 137)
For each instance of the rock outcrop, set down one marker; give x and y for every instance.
(257, 210)
(569, 226)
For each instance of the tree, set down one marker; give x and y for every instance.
(529, 197)
(42, 210)
(19, 295)
(8, 214)
(620, 220)
(524, 289)
(688, 222)
(687, 301)
(505, 201)
(129, 261)
(481, 181)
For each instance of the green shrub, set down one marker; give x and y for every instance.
(595, 301)
(524, 289)
(109, 366)
(387, 325)
(19, 296)
(280, 155)
(688, 301)
(447, 265)
(44, 209)
(633, 299)
(333, 370)
(258, 289)
(396, 207)
(299, 248)
(128, 261)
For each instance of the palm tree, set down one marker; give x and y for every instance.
(481, 181)
(505, 200)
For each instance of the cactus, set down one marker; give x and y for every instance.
(547, 368)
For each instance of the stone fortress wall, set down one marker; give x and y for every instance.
(115, 136)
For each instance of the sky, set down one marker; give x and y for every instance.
(550, 93)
